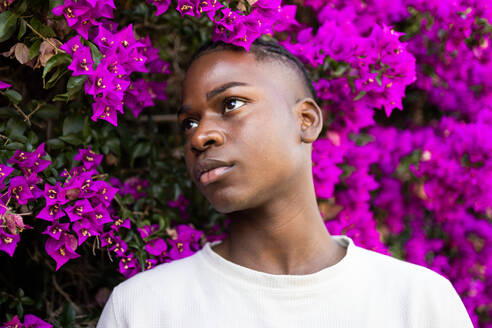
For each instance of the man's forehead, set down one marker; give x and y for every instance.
(218, 67)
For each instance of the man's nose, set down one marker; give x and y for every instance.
(207, 134)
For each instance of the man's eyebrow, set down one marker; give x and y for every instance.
(213, 93)
(223, 88)
(182, 110)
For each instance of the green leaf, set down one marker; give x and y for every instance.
(13, 96)
(71, 139)
(361, 94)
(68, 316)
(55, 143)
(378, 80)
(74, 86)
(73, 124)
(8, 25)
(55, 77)
(96, 54)
(140, 150)
(32, 137)
(22, 29)
(14, 146)
(6, 111)
(21, 7)
(55, 3)
(15, 127)
(56, 60)
(47, 111)
(34, 49)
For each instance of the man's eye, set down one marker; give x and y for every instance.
(188, 124)
(231, 104)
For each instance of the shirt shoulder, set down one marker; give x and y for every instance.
(429, 297)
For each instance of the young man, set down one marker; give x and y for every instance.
(249, 120)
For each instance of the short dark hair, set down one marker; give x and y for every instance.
(262, 49)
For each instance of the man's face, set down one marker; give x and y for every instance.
(242, 145)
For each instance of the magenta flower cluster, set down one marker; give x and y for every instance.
(365, 71)
(236, 26)
(444, 201)
(109, 81)
(30, 321)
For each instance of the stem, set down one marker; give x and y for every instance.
(34, 111)
(65, 295)
(26, 118)
(42, 37)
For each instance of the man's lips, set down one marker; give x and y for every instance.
(209, 170)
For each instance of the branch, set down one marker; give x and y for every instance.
(26, 118)
(64, 294)
(43, 37)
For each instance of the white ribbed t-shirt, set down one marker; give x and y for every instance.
(364, 289)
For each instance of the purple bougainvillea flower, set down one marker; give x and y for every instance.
(14, 323)
(73, 45)
(114, 65)
(4, 172)
(51, 212)
(120, 223)
(107, 111)
(19, 190)
(160, 5)
(187, 7)
(100, 215)
(82, 62)
(31, 321)
(287, 19)
(8, 242)
(67, 9)
(146, 231)
(179, 249)
(189, 235)
(108, 239)
(4, 85)
(105, 39)
(15, 223)
(150, 263)
(84, 229)
(119, 246)
(156, 247)
(104, 8)
(100, 81)
(103, 192)
(125, 39)
(228, 21)
(3, 207)
(30, 162)
(138, 97)
(56, 229)
(135, 186)
(134, 60)
(54, 194)
(128, 265)
(181, 203)
(209, 7)
(79, 209)
(63, 249)
(89, 158)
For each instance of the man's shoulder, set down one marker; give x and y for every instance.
(391, 269)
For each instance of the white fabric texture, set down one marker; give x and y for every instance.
(364, 289)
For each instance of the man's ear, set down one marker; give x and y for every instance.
(310, 118)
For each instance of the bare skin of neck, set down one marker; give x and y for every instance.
(285, 236)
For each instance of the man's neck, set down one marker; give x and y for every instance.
(284, 237)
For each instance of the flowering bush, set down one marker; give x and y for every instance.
(93, 188)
